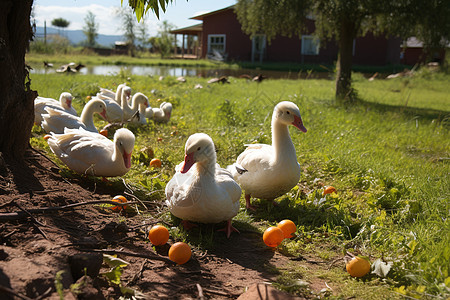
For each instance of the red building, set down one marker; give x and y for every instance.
(221, 37)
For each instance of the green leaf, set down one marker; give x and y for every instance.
(113, 261)
(114, 275)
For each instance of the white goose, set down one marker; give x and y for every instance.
(113, 95)
(202, 191)
(114, 105)
(161, 114)
(137, 100)
(269, 171)
(56, 120)
(91, 153)
(64, 104)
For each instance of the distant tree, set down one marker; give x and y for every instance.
(142, 33)
(129, 28)
(164, 41)
(90, 29)
(17, 99)
(60, 23)
(344, 20)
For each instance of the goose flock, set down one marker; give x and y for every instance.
(77, 142)
(200, 189)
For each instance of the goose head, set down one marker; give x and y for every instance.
(167, 108)
(124, 143)
(98, 106)
(139, 99)
(199, 149)
(126, 93)
(93, 106)
(66, 100)
(287, 113)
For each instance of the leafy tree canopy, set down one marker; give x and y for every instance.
(344, 20)
(60, 22)
(141, 7)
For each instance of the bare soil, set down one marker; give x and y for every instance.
(35, 247)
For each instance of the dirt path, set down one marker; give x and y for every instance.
(33, 250)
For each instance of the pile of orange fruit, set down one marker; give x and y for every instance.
(273, 236)
(179, 252)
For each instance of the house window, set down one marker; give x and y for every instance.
(310, 45)
(216, 43)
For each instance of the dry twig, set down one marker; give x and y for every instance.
(21, 214)
(128, 253)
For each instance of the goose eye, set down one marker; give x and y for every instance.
(288, 112)
(198, 149)
(120, 143)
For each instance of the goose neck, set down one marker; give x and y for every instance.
(281, 140)
(87, 115)
(119, 94)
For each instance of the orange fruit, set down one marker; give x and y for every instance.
(159, 139)
(155, 163)
(273, 236)
(119, 199)
(329, 190)
(180, 253)
(358, 266)
(158, 235)
(288, 227)
(104, 132)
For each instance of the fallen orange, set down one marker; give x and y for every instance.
(155, 163)
(119, 199)
(288, 227)
(180, 253)
(329, 190)
(358, 266)
(158, 235)
(273, 236)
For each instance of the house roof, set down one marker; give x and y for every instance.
(200, 17)
(194, 29)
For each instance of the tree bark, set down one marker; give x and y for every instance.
(344, 63)
(16, 99)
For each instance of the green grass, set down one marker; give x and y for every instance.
(388, 157)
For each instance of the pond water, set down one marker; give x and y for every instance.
(185, 71)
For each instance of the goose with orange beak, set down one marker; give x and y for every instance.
(93, 154)
(201, 191)
(269, 171)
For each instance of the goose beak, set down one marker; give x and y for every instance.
(69, 103)
(188, 162)
(127, 159)
(103, 114)
(299, 124)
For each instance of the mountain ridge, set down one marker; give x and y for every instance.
(76, 37)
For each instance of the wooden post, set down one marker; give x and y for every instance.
(182, 47)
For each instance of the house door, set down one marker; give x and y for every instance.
(258, 47)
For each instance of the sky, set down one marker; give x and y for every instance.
(74, 11)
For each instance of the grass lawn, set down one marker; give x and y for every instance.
(387, 156)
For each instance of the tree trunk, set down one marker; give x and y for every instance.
(344, 63)
(16, 99)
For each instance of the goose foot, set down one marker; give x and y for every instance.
(248, 205)
(188, 225)
(229, 229)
